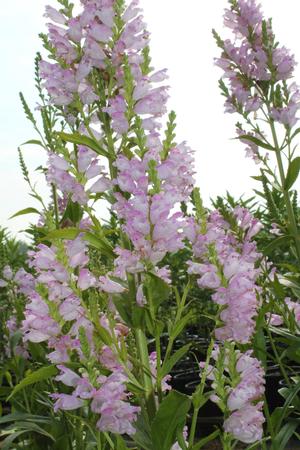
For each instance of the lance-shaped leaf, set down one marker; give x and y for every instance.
(157, 289)
(41, 374)
(292, 173)
(255, 140)
(62, 233)
(278, 242)
(169, 419)
(170, 363)
(80, 139)
(25, 211)
(101, 243)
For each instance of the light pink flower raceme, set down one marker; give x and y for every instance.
(246, 423)
(233, 275)
(244, 385)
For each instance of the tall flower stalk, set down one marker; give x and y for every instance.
(257, 71)
(98, 315)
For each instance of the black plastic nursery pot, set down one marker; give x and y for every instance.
(273, 377)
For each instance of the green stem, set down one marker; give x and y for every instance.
(142, 347)
(290, 212)
(269, 421)
(278, 359)
(180, 309)
(99, 445)
(199, 393)
(55, 203)
(158, 366)
(193, 427)
(227, 442)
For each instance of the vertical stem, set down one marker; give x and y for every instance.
(227, 442)
(55, 202)
(99, 445)
(193, 426)
(278, 359)
(142, 346)
(290, 212)
(199, 393)
(158, 368)
(270, 427)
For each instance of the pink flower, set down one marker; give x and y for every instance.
(67, 376)
(76, 251)
(55, 15)
(100, 32)
(71, 308)
(101, 185)
(66, 402)
(246, 424)
(85, 279)
(117, 414)
(110, 286)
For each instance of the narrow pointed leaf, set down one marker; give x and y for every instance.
(62, 233)
(80, 139)
(254, 140)
(41, 374)
(170, 417)
(170, 363)
(278, 242)
(292, 173)
(25, 211)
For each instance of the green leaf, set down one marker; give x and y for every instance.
(293, 392)
(170, 363)
(181, 324)
(206, 440)
(158, 290)
(292, 173)
(278, 242)
(41, 374)
(103, 333)
(169, 419)
(260, 346)
(285, 333)
(25, 211)
(8, 441)
(254, 140)
(18, 416)
(33, 142)
(31, 426)
(143, 432)
(73, 213)
(101, 243)
(62, 233)
(84, 140)
(256, 444)
(22, 428)
(284, 435)
(293, 353)
(297, 131)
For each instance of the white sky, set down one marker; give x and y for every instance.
(181, 42)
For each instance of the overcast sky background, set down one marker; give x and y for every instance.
(180, 41)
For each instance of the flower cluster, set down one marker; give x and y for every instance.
(56, 313)
(108, 397)
(238, 383)
(73, 178)
(228, 266)
(17, 285)
(150, 222)
(255, 57)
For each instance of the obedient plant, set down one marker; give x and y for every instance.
(97, 316)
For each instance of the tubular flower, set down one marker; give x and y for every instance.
(228, 267)
(238, 381)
